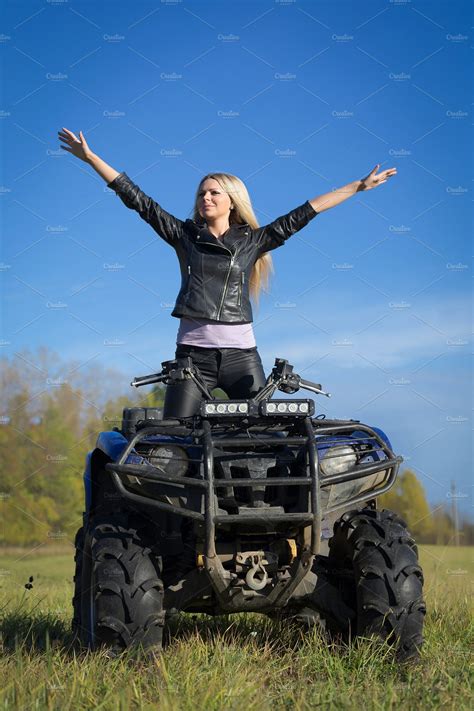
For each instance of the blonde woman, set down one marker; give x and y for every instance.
(224, 260)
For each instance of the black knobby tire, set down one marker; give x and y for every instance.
(76, 600)
(122, 589)
(385, 589)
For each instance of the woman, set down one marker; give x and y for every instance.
(224, 258)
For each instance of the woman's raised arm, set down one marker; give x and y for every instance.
(324, 202)
(164, 223)
(80, 148)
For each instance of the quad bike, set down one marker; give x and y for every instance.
(250, 505)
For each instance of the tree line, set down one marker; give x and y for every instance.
(51, 413)
(428, 524)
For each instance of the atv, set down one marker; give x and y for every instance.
(250, 505)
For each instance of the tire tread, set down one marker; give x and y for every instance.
(388, 580)
(128, 588)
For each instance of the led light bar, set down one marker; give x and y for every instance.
(244, 408)
(226, 407)
(287, 407)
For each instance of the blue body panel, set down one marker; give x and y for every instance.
(382, 436)
(112, 444)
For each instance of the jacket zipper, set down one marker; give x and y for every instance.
(186, 298)
(226, 278)
(225, 285)
(242, 279)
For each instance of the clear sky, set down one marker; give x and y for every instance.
(296, 98)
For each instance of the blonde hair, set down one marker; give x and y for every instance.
(242, 213)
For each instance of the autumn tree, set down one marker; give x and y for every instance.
(407, 497)
(51, 413)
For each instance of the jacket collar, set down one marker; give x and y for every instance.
(229, 239)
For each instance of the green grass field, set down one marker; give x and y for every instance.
(234, 662)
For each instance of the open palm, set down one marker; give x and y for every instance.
(77, 146)
(373, 180)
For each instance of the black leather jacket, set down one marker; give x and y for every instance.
(215, 272)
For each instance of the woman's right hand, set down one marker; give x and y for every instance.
(77, 146)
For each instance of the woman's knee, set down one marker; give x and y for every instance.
(181, 400)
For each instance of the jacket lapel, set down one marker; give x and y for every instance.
(229, 240)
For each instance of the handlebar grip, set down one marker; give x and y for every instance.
(147, 380)
(308, 383)
(141, 378)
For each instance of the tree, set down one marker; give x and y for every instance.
(407, 498)
(51, 414)
(443, 527)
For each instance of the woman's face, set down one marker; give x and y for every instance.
(213, 202)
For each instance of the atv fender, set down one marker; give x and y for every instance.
(109, 447)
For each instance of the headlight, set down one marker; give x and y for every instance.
(340, 493)
(170, 458)
(338, 460)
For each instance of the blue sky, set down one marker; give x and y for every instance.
(296, 98)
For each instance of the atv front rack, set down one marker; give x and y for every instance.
(204, 437)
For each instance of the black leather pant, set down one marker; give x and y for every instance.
(237, 371)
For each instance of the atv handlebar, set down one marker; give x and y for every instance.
(147, 379)
(314, 387)
(282, 378)
(175, 370)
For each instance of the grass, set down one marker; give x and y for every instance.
(234, 662)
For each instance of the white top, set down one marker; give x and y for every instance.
(213, 334)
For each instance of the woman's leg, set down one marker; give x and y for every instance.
(182, 399)
(241, 372)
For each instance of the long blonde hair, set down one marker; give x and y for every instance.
(242, 213)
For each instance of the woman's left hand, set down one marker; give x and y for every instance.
(373, 180)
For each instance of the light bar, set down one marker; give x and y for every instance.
(227, 407)
(243, 408)
(287, 407)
